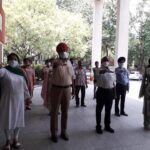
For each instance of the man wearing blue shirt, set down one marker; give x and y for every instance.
(122, 85)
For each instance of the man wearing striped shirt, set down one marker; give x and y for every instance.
(80, 84)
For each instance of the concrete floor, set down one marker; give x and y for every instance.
(129, 133)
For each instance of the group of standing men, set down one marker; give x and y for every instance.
(110, 85)
(62, 80)
(15, 90)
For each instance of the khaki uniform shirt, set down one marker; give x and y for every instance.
(62, 73)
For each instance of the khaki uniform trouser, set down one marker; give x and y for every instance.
(59, 96)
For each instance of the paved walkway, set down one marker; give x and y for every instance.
(129, 133)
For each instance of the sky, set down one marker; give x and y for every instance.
(133, 5)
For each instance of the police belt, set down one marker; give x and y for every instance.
(61, 86)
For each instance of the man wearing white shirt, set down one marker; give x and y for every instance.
(105, 95)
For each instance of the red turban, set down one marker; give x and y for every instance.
(62, 47)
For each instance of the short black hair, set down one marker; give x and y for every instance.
(121, 59)
(96, 62)
(13, 54)
(27, 59)
(104, 59)
(47, 61)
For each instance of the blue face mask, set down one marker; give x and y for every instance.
(121, 65)
(13, 63)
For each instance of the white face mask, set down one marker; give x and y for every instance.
(49, 64)
(63, 55)
(13, 63)
(106, 64)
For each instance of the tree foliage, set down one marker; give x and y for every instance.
(34, 27)
(109, 28)
(84, 7)
(139, 44)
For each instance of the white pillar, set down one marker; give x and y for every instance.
(97, 31)
(122, 32)
(1, 53)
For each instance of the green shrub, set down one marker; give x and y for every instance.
(38, 71)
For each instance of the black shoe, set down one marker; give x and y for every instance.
(7, 146)
(54, 139)
(109, 129)
(77, 105)
(117, 114)
(83, 105)
(28, 108)
(99, 131)
(124, 114)
(16, 145)
(64, 137)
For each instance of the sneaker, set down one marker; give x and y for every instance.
(83, 105)
(28, 108)
(109, 129)
(16, 144)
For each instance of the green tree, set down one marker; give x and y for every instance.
(34, 27)
(84, 7)
(109, 28)
(139, 46)
(28, 29)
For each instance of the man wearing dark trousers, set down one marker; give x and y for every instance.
(96, 73)
(60, 92)
(122, 80)
(104, 95)
(80, 84)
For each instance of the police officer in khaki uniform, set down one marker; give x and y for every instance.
(61, 91)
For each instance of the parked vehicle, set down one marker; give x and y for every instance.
(135, 75)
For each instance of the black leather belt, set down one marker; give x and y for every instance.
(61, 86)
